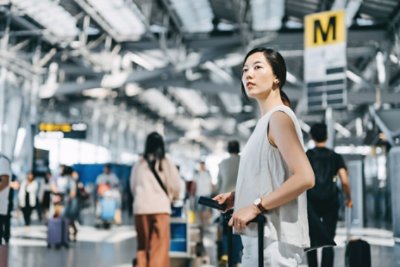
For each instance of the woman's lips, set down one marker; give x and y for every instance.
(249, 84)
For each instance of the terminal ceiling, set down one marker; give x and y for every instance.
(176, 63)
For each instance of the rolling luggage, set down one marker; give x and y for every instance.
(3, 255)
(358, 251)
(57, 232)
(260, 220)
(108, 208)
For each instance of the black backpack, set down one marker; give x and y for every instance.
(323, 164)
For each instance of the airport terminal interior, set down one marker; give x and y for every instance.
(84, 82)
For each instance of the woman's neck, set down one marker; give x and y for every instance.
(272, 100)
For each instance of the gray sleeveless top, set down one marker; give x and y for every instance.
(262, 170)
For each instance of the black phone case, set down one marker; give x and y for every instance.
(211, 203)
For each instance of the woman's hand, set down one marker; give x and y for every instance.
(226, 198)
(241, 217)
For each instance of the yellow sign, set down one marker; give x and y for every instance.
(325, 28)
(55, 127)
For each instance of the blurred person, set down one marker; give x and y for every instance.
(203, 187)
(45, 195)
(227, 175)
(177, 205)
(274, 172)
(14, 185)
(5, 174)
(64, 189)
(228, 168)
(108, 183)
(155, 183)
(28, 196)
(106, 179)
(323, 199)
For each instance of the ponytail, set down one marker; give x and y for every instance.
(285, 99)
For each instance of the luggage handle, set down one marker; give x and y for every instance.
(348, 223)
(260, 220)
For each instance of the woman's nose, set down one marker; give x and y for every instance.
(248, 74)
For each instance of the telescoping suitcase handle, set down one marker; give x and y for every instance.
(260, 220)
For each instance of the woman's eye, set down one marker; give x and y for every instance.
(257, 67)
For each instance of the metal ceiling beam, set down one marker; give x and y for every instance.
(140, 76)
(357, 98)
(294, 93)
(289, 40)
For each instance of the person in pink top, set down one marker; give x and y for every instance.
(155, 182)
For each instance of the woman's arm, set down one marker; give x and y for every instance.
(282, 134)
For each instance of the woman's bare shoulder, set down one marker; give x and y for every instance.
(281, 120)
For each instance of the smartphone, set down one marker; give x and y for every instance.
(211, 203)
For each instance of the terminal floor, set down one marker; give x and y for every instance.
(116, 247)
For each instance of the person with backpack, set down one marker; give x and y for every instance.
(323, 198)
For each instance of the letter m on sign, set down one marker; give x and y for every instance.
(325, 28)
(329, 31)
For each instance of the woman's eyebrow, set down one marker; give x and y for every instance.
(256, 62)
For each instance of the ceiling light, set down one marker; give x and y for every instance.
(231, 102)
(58, 23)
(354, 77)
(158, 102)
(121, 19)
(196, 15)
(223, 75)
(99, 93)
(394, 59)
(267, 15)
(380, 64)
(192, 100)
(290, 77)
(132, 89)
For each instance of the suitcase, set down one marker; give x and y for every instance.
(260, 220)
(108, 208)
(3, 255)
(358, 251)
(57, 232)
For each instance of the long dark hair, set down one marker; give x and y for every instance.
(278, 66)
(154, 147)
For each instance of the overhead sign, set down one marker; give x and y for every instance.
(325, 60)
(66, 130)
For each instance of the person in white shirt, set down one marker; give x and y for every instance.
(5, 174)
(28, 196)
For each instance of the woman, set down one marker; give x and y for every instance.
(154, 183)
(28, 196)
(274, 172)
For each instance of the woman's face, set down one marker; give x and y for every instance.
(257, 75)
(30, 177)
